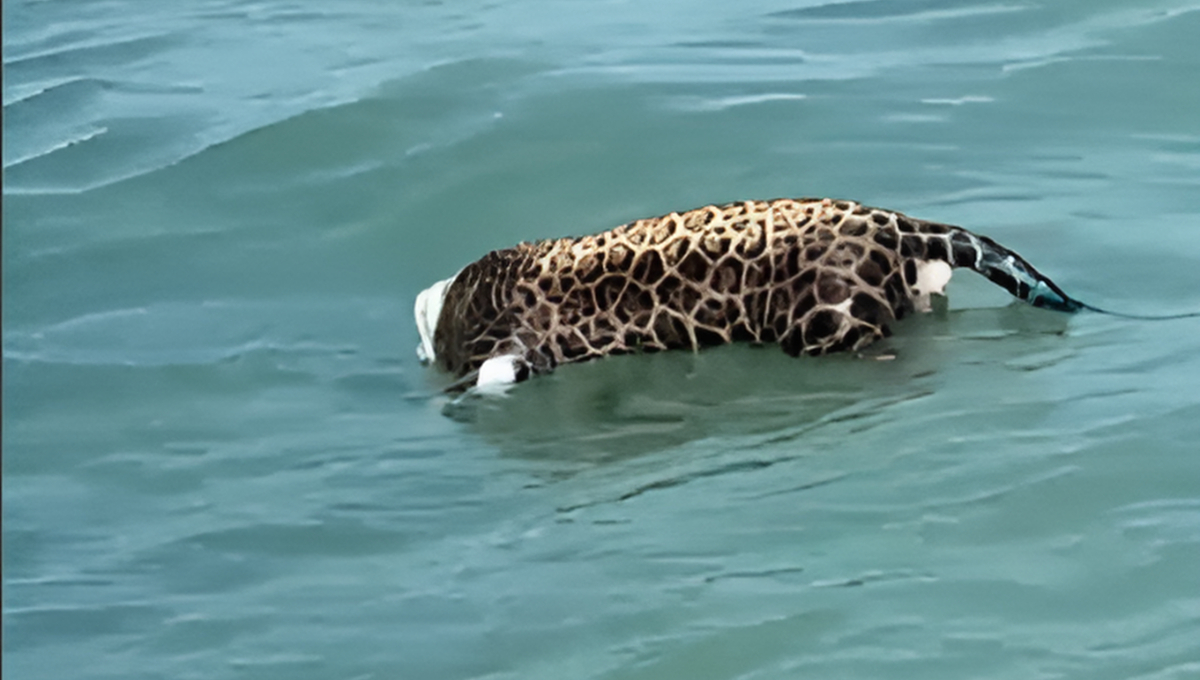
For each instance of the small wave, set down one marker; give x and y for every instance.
(968, 99)
(54, 147)
(170, 333)
(1049, 61)
(203, 355)
(97, 317)
(18, 94)
(725, 103)
(128, 49)
(15, 95)
(913, 118)
(182, 149)
(28, 93)
(889, 10)
(1174, 138)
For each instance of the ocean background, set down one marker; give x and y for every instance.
(222, 459)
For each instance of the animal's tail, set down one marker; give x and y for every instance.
(1009, 270)
(960, 248)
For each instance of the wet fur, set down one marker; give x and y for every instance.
(812, 275)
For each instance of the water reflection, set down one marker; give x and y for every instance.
(623, 407)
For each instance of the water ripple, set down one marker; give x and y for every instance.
(870, 11)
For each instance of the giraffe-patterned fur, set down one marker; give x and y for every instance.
(814, 275)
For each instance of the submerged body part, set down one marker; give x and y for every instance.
(814, 275)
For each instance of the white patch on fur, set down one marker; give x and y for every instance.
(932, 277)
(497, 374)
(427, 310)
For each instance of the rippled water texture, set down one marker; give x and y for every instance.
(222, 459)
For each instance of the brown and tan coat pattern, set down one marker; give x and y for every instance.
(814, 275)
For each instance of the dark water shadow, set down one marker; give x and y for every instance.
(619, 408)
(622, 407)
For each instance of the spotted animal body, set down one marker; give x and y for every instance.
(813, 275)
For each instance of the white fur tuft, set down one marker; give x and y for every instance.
(932, 277)
(427, 310)
(497, 374)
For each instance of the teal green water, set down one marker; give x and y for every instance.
(223, 460)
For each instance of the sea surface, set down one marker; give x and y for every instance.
(222, 459)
